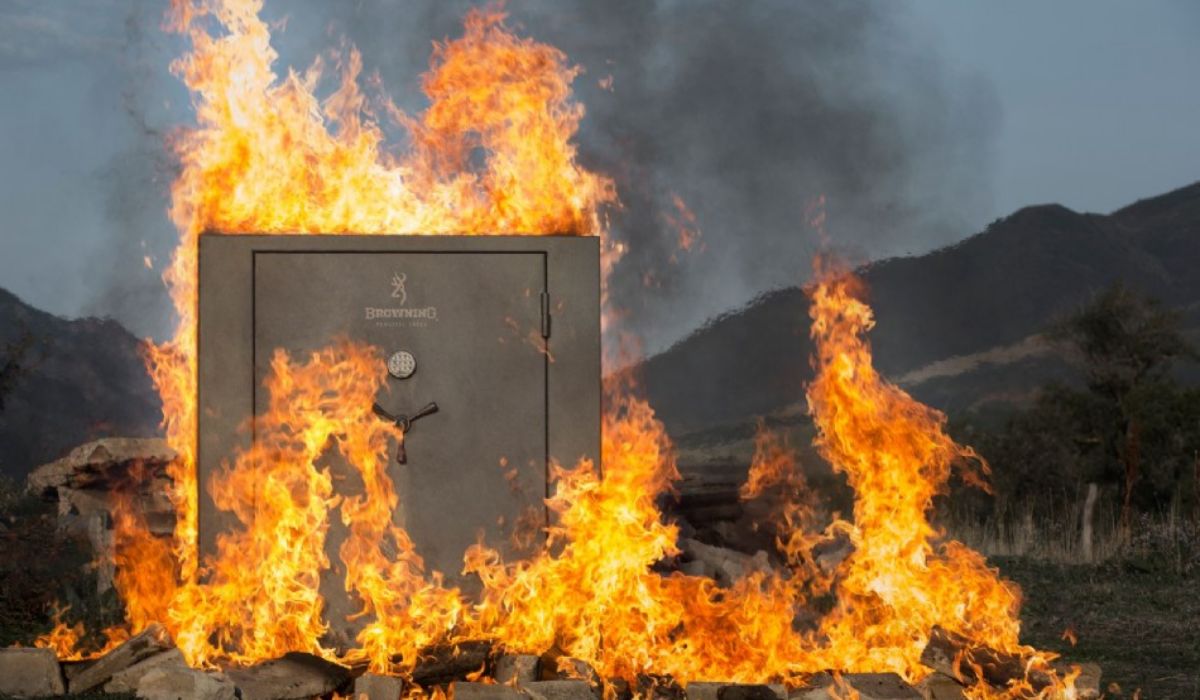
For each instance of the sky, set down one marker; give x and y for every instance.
(919, 122)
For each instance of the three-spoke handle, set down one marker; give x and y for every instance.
(404, 423)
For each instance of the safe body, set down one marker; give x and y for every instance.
(462, 320)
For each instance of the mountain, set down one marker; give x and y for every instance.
(957, 327)
(80, 379)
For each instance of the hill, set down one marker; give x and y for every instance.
(956, 326)
(80, 379)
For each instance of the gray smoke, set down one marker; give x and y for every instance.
(135, 184)
(748, 111)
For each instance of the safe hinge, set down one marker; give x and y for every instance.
(545, 314)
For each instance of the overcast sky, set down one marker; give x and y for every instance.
(921, 123)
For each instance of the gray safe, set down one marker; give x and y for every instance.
(459, 320)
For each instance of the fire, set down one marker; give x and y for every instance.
(268, 156)
(904, 576)
(597, 598)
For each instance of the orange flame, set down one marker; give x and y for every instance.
(268, 156)
(904, 575)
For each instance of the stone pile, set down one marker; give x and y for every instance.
(91, 480)
(149, 666)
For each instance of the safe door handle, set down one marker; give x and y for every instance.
(404, 423)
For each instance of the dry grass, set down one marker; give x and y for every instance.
(1167, 541)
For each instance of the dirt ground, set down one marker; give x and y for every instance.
(1142, 627)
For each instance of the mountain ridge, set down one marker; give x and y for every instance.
(993, 289)
(81, 379)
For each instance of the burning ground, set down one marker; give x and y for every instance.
(494, 153)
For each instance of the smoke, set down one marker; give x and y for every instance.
(125, 266)
(746, 111)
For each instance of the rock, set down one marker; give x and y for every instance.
(182, 683)
(560, 690)
(371, 686)
(518, 668)
(149, 642)
(729, 565)
(96, 478)
(748, 692)
(555, 666)
(958, 657)
(867, 686)
(296, 675)
(127, 681)
(656, 687)
(446, 663)
(1087, 683)
(734, 691)
(30, 673)
(935, 686)
(617, 689)
(703, 690)
(99, 463)
(463, 690)
(74, 667)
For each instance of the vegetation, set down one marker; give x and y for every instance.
(14, 364)
(1126, 430)
(44, 571)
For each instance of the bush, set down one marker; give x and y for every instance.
(42, 572)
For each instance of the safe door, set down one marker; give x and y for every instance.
(490, 348)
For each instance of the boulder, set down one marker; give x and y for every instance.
(702, 690)
(442, 664)
(867, 686)
(726, 565)
(560, 690)
(169, 682)
(464, 690)
(1087, 683)
(296, 675)
(556, 666)
(935, 686)
(371, 686)
(517, 668)
(127, 681)
(30, 673)
(149, 642)
(659, 687)
(99, 463)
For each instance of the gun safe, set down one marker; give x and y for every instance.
(456, 318)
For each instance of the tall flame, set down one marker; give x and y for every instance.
(902, 577)
(267, 155)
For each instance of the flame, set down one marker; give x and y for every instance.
(267, 155)
(687, 231)
(904, 576)
(594, 595)
(63, 639)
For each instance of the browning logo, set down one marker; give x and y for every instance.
(397, 316)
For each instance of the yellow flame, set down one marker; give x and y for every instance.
(268, 156)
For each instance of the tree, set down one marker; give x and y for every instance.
(1126, 345)
(14, 364)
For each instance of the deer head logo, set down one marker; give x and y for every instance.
(398, 291)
